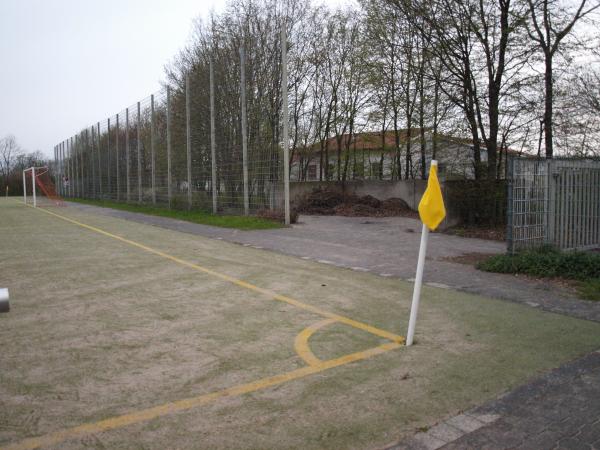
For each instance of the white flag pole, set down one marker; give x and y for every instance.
(417, 289)
(414, 309)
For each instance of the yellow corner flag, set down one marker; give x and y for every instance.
(432, 212)
(431, 206)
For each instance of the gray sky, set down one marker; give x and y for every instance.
(66, 64)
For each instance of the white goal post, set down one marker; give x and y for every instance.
(33, 175)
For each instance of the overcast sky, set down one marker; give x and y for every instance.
(65, 64)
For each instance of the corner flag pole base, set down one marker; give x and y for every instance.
(4, 305)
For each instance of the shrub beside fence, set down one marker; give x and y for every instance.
(480, 203)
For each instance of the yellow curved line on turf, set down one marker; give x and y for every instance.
(282, 298)
(145, 415)
(301, 342)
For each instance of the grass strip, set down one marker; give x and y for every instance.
(194, 216)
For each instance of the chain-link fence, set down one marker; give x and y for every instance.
(187, 147)
(553, 202)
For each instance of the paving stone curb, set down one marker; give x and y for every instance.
(560, 409)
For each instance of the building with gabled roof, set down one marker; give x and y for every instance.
(371, 155)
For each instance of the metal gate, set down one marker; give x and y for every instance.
(553, 202)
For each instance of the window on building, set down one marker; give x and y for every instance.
(312, 172)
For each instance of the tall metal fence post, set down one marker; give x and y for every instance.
(77, 160)
(152, 150)
(93, 164)
(117, 159)
(188, 140)
(71, 171)
(84, 164)
(80, 151)
(61, 151)
(89, 162)
(127, 158)
(244, 130)
(509, 203)
(139, 152)
(87, 191)
(99, 161)
(78, 166)
(79, 155)
(169, 189)
(59, 169)
(55, 169)
(286, 141)
(65, 175)
(551, 205)
(213, 144)
(75, 166)
(108, 180)
(66, 168)
(62, 169)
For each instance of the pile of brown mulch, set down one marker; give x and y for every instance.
(329, 202)
(322, 202)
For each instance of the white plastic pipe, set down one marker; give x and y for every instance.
(33, 186)
(414, 309)
(4, 305)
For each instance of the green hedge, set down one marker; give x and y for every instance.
(547, 262)
(477, 202)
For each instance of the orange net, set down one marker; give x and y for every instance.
(46, 186)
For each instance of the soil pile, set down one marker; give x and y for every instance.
(329, 202)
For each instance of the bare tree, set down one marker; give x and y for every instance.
(550, 24)
(587, 84)
(9, 152)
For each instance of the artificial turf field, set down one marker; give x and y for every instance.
(123, 335)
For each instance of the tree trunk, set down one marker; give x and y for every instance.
(422, 130)
(549, 85)
(492, 143)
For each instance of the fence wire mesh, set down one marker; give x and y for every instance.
(553, 202)
(159, 151)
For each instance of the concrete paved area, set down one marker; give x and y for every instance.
(559, 410)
